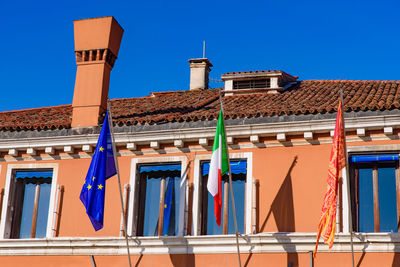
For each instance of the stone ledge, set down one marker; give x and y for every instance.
(257, 243)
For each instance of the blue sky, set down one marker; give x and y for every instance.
(356, 40)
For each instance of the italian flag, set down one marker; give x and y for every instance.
(218, 167)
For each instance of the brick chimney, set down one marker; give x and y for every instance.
(199, 70)
(97, 42)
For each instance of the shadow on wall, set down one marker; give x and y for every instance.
(396, 258)
(282, 208)
(182, 260)
(139, 260)
(177, 260)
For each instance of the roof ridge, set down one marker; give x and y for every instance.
(28, 109)
(251, 71)
(183, 91)
(164, 93)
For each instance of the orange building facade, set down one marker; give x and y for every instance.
(279, 134)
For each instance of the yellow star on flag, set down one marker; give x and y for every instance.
(93, 178)
(89, 187)
(100, 186)
(101, 149)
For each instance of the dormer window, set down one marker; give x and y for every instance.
(257, 81)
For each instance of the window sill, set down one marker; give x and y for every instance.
(258, 243)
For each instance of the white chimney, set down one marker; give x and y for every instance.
(199, 70)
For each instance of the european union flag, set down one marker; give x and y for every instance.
(169, 209)
(101, 168)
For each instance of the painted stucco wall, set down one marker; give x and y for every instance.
(292, 183)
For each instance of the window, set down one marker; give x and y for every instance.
(374, 186)
(29, 203)
(149, 175)
(208, 223)
(252, 84)
(159, 200)
(29, 206)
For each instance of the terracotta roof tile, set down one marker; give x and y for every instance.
(305, 97)
(37, 118)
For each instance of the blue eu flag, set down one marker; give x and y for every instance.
(169, 209)
(101, 168)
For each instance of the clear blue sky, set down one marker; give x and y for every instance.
(357, 40)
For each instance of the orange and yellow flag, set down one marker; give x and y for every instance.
(327, 223)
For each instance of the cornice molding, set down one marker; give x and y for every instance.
(257, 243)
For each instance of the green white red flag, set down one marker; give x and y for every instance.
(218, 167)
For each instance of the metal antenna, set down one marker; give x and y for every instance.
(216, 80)
(204, 49)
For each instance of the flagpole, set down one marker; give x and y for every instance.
(230, 185)
(347, 178)
(119, 179)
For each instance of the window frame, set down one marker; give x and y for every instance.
(133, 210)
(205, 202)
(197, 192)
(6, 219)
(345, 201)
(354, 174)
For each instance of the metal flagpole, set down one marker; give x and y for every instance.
(230, 185)
(119, 179)
(347, 178)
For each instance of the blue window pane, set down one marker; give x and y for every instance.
(177, 202)
(27, 211)
(366, 201)
(154, 174)
(239, 186)
(239, 194)
(43, 210)
(212, 226)
(387, 199)
(152, 204)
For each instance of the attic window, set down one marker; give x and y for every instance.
(252, 84)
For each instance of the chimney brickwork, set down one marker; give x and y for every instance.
(199, 72)
(97, 43)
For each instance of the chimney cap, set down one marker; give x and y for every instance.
(201, 60)
(98, 33)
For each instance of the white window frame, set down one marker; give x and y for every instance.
(248, 156)
(134, 196)
(9, 176)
